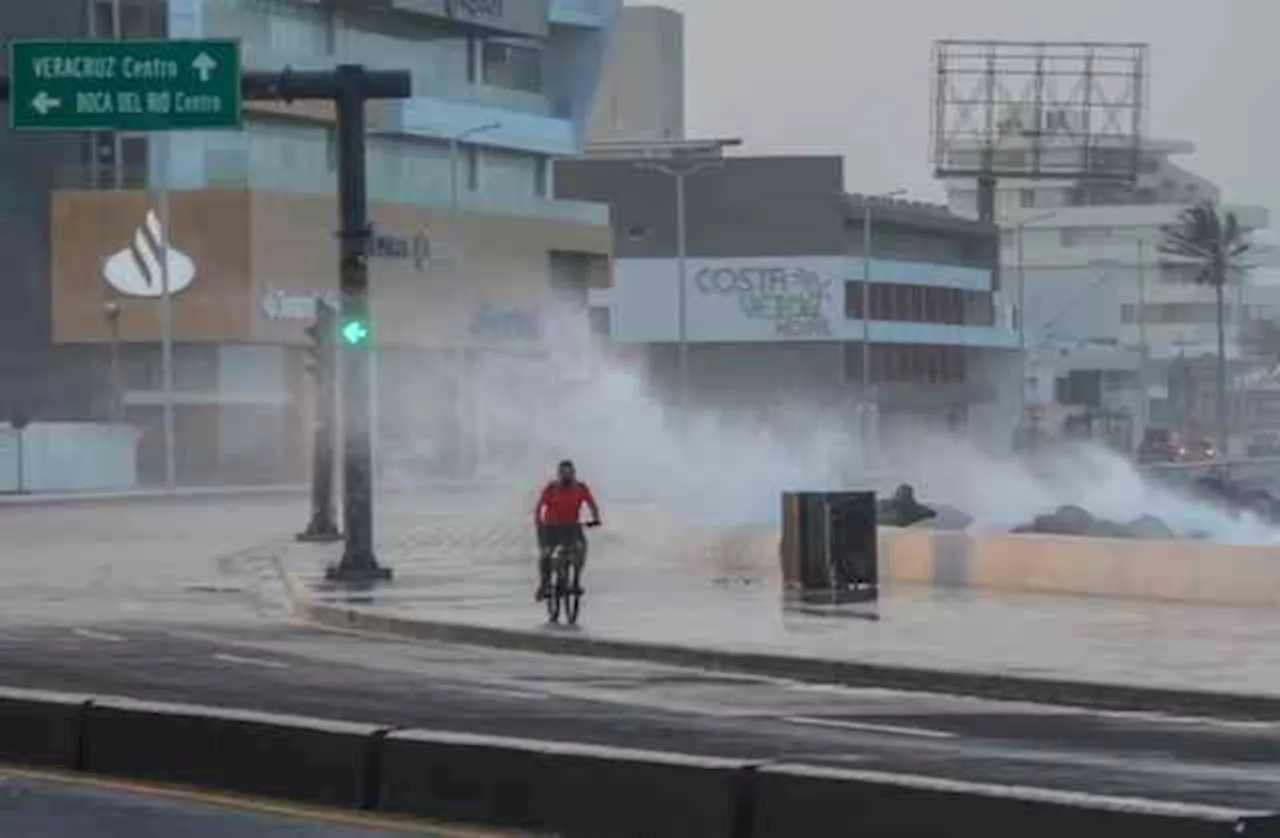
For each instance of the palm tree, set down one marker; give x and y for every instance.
(1213, 243)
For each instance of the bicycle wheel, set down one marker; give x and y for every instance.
(554, 587)
(573, 588)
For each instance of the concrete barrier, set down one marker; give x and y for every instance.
(1155, 571)
(307, 760)
(570, 790)
(41, 729)
(814, 802)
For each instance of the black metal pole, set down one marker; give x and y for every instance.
(323, 527)
(359, 564)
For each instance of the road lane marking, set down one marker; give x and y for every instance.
(264, 663)
(502, 692)
(869, 727)
(90, 634)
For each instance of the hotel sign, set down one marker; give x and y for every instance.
(518, 17)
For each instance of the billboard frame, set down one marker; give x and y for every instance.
(1037, 110)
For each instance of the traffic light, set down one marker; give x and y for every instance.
(321, 354)
(355, 331)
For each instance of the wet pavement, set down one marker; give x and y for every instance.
(650, 579)
(181, 601)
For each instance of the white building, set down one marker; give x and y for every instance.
(642, 94)
(1100, 303)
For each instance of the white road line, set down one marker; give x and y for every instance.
(505, 693)
(89, 634)
(262, 662)
(868, 727)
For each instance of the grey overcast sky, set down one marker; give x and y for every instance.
(852, 77)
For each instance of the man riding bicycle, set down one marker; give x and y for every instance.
(557, 518)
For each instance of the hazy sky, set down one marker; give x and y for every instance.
(852, 77)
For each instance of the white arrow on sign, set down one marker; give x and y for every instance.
(43, 103)
(204, 65)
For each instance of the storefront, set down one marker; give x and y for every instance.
(244, 271)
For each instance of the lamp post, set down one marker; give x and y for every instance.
(111, 311)
(680, 171)
(1020, 261)
(868, 398)
(465, 452)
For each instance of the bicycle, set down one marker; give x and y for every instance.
(564, 589)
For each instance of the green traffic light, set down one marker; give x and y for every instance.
(355, 332)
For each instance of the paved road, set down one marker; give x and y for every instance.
(286, 668)
(79, 808)
(119, 602)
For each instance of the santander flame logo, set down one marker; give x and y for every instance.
(136, 270)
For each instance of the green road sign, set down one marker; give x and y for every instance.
(124, 85)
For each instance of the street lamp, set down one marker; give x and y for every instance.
(455, 143)
(1018, 227)
(868, 399)
(681, 170)
(468, 449)
(111, 311)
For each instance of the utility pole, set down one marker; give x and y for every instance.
(680, 171)
(1020, 257)
(466, 410)
(868, 399)
(1144, 345)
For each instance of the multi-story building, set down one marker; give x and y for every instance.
(469, 241)
(772, 291)
(1105, 313)
(642, 95)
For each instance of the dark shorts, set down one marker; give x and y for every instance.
(552, 536)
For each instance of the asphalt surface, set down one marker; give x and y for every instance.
(166, 625)
(40, 806)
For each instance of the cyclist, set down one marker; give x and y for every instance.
(557, 518)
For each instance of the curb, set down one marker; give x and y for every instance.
(1083, 694)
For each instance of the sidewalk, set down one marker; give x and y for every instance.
(651, 581)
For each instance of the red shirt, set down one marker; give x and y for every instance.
(561, 505)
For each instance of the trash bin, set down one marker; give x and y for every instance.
(829, 545)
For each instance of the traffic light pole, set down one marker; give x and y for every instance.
(322, 527)
(359, 563)
(349, 87)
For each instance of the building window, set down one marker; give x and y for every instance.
(1027, 197)
(511, 65)
(473, 168)
(906, 303)
(542, 177)
(103, 22)
(134, 160)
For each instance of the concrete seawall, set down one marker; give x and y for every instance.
(1155, 571)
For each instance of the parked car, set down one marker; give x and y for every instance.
(1197, 451)
(1159, 445)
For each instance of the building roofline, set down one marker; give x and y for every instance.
(711, 147)
(919, 214)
